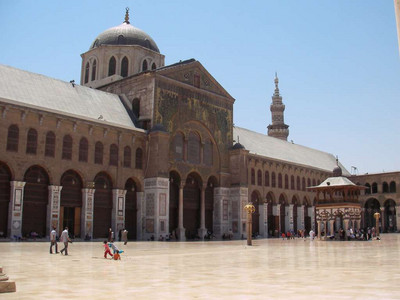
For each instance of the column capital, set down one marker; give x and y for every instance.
(17, 184)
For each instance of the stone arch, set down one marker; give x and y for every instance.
(174, 183)
(5, 192)
(35, 201)
(389, 222)
(191, 204)
(132, 187)
(103, 203)
(71, 202)
(371, 206)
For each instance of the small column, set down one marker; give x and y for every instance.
(331, 224)
(397, 218)
(53, 209)
(346, 226)
(312, 215)
(202, 230)
(118, 211)
(141, 216)
(87, 213)
(278, 208)
(319, 229)
(291, 221)
(300, 217)
(15, 209)
(382, 220)
(264, 210)
(181, 230)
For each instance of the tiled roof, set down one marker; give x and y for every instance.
(48, 94)
(270, 147)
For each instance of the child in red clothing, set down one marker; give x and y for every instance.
(107, 250)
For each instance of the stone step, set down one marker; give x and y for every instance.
(3, 277)
(7, 287)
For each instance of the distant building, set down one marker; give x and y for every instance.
(146, 147)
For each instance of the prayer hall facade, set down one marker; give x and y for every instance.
(146, 147)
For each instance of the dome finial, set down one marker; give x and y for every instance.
(127, 16)
(276, 84)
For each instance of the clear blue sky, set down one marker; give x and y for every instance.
(337, 61)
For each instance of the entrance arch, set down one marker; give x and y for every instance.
(191, 205)
(209, 203)
(5, 178)
(371, 206)
(102, 205)
(174, 183)
(390, 224)
(131, 208)
(71, 202)
(256, 201)
(35, 201)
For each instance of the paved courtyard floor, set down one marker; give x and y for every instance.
(270, 269)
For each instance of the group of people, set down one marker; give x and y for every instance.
(64, 238)
(291, 234)
(365, 234)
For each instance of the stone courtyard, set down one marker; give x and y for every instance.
(270, 269)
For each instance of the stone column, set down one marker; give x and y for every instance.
(312, 215)
(53, 209)
(300, 217)
(382, 220)
(346, 226)
(15, 209)
(278, 209)
(332, 224)
(397, 218)
(87, 213)
(291, 221)
(229, 212)
(118, 211)
(181, 230)
(202, 230)
(264, 217)
(319, 229)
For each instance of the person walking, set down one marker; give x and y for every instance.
(124, 236)
(110, 235)
(53, 240)
(65, 239)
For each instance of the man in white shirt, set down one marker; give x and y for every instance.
(64, 238)
(53, 240)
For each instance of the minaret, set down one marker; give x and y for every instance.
(278, 128)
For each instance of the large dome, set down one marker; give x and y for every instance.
(125, 34)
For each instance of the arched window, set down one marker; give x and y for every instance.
(67, 148)
(314, 182)
(392, 187)
(266, 179)
(113, 155)
(124, 67)
(31, 142)
(385, 187)
(144, 65)
(153, 66)
(178, 146)
(292, 186)
(193, 151)
(87, 73)
(273, 180)
(253, 177)
(136, 107)
(83, 149)
(308, 182)
(368, 189)
(94, 66)
(13, 138)
(50, 147)
(208, 153)
(139, 159)
(303, 184)
(286, 181)
(298, 183)
(111, 66)
(98, 153)
(280, 180)
(127, 157)
(374, 188)
(259, 177)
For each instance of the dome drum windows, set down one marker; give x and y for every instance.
(124, 67)
(112, 66)
(31, 143)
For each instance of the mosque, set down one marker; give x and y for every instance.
(153, 149)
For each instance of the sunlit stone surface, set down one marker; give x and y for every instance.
(278, 269)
